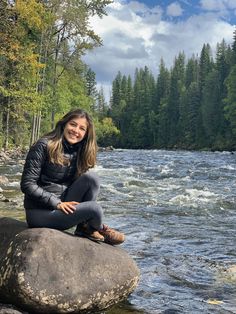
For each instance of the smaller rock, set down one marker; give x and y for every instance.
(2, 198)
(9, 309)
(3, 180)
(106, 149)
(4, 156)
(6, 200)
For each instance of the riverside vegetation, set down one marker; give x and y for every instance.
(191, 105)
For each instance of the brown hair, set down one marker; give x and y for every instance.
(86, 158)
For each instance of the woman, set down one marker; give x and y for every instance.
(59, 191)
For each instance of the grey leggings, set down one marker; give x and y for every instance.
(84, 190)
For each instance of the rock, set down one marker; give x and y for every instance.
(227, 274)
(106, 149)
(3, 198)
(48, 271)
(9, 309)
(4, 156)
(11, 155)
(3, 180)
(21, 161)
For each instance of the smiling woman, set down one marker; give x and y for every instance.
(75, 130)
(59, 191)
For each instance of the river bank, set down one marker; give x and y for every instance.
(19, 153)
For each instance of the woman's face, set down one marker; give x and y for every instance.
(75, 130)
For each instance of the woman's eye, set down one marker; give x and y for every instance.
(73, 124)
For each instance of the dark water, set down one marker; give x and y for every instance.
(178, 211)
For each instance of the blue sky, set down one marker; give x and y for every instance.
(139, 33)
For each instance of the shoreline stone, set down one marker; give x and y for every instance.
(48, 271)
(10, 309)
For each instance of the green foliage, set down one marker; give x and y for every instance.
(190, 106)
(107, 133)
(211, 107)
(101, 105)
(41, 72)
(230, 100)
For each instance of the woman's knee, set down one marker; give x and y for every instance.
(91, 179)
(89, 210)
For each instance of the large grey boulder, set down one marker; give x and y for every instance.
(48, 271)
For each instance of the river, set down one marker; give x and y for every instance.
(178, 210)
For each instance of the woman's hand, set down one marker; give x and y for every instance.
(67, 207)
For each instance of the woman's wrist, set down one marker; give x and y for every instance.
(59, 205)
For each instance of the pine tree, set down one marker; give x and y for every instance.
(205, 65)
(192, 116)
(210, 107)
(233, 56)
(223, 65)
(230, 100)
(157, 114)
(144, 91)
(101, 104)
(191, 72)
(91, 87)
(173, 103)
(117, 102)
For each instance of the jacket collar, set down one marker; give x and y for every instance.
(68, 148)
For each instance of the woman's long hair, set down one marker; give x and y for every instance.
(86, 158)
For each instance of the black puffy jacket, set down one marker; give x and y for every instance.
(43, 182)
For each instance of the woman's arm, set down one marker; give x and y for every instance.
(31, 175)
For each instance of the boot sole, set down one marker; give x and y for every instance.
(84, 235)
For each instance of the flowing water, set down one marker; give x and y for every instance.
(178, 210)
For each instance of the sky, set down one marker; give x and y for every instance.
(139, 33)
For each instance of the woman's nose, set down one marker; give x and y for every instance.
(76, 128)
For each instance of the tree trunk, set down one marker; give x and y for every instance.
(6, 142)
(60, 38)
(38, 125)
(32, 138)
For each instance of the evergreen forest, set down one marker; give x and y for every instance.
(192, 105)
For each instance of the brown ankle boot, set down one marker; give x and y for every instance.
(111, 236)
(84, 230)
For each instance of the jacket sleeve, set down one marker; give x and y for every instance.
(31, 176)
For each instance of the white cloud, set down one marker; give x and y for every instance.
(212, 5)
(174, 9)
(189, 36)
(218, 5)
(116, 5)
(135, 35)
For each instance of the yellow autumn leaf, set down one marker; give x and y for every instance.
(31, 11)
(214, 302)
